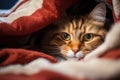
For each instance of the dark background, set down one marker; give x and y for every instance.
(7, 4)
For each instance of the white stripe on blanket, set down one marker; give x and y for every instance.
(94, 68)
(26, 9)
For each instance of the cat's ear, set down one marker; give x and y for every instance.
(98, 13)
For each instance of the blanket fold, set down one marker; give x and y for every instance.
(21, 56)
(24, 21)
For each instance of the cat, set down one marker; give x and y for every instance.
(74, 37)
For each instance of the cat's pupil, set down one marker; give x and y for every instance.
(65, 36)
(88, 37)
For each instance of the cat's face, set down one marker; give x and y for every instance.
(75, 38)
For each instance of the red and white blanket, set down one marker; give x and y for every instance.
(29, 16)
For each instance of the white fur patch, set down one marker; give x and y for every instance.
(74, 56)
(70, 54)
(25, 9)
(79, 54)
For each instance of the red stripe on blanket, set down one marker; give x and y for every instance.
(42, 75)
(112, 54)
(21, 56)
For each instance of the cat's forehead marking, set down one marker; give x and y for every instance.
(78, 23)
(74, 24)
(76, 28)
(70, 28)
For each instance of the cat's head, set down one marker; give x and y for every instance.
(77, 37)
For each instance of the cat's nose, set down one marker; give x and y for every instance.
(75, 50)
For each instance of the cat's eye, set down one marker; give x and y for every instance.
(65, 36)
(88, 37)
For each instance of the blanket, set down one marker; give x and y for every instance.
(29, 16)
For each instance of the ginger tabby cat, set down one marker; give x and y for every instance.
(74, 37)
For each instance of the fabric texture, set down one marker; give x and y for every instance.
(18, 24)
